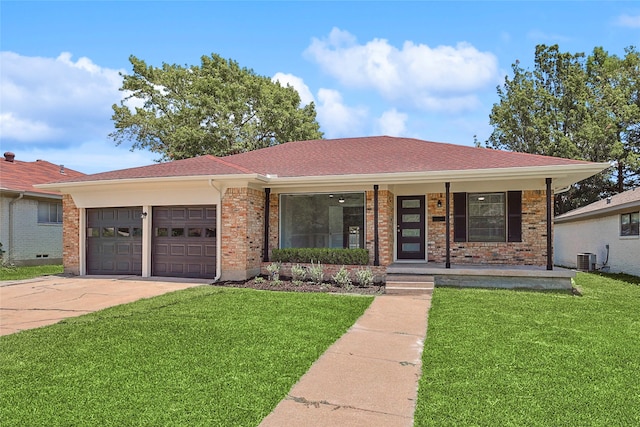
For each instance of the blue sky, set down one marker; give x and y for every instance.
(427, 70)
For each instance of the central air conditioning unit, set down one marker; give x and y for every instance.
(586, 262)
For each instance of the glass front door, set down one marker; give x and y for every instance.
(411, 228)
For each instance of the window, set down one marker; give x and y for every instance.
(630, 224)
(49, 213)
(322, 220)
(487, 217)
(487, 220)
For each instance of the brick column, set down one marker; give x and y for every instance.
(242, 231)
(70, 236)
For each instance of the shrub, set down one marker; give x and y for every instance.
(364, 277)
(259, 280)
(298, 273)
(342, 278)
(322, 255)
(297, 283)
(316, 273)
(276, 282)
(274, 270)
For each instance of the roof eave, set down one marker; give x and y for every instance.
(562, 173)
(606, 211)
(31, 193)
(61, 186)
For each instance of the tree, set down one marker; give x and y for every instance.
(216, 108)
(576, 107)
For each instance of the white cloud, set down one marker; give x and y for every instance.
(56, 100)
(336, 119)
(409, 74)
(25, 130)
(392, 123)
(297, 83)
(630, 21)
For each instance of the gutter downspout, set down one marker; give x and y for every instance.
(549, 229)
(218, 233)
(376, 250)
(11, 225)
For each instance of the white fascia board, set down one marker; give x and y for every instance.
(31, 194)
(561, 174)
(77, 185)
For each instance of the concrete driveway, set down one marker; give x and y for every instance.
(46, 300)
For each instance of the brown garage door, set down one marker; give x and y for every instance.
(114, 241)
(184, 241)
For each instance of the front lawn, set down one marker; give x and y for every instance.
(203, 356)
(19, 273)
(517, 358)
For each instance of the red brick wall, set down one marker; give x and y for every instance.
(531, 251)
(70, 236)
(242, 232)
(385, 226)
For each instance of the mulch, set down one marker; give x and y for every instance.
(289, 286)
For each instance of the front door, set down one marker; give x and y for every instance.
(411, 228)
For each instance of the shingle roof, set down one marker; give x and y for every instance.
(195, 166)
(378, 155)
(613, 204)
(20, 176)
(345, 156)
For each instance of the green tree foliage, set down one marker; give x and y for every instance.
(216, 108)
(578, 107)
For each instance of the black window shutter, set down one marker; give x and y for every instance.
(459, 217)
(514, 209)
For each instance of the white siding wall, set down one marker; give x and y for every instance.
(592, 236)
(30, 238)
(4, 223)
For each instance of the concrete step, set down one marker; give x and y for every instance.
(408, 288)
(409, 278)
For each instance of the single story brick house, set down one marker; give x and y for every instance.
(608, 229)
(403, 199)
(31, 218)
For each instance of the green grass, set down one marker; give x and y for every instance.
(19, 273)
(517, 358)
(203, 356)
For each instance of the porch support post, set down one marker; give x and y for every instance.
(447, 186)
(267, 202)
(549, 237)
(376, 249)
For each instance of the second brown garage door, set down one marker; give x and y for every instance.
(184, 241)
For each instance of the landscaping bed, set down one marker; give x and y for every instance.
(288, 285)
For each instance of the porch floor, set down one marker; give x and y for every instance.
(486, 275)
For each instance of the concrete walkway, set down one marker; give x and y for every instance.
(369, 377)
(29, 304)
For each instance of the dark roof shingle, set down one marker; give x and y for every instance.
(345, 156)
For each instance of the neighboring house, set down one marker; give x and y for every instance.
(31, 218)
(397, 197)
(608, 228)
